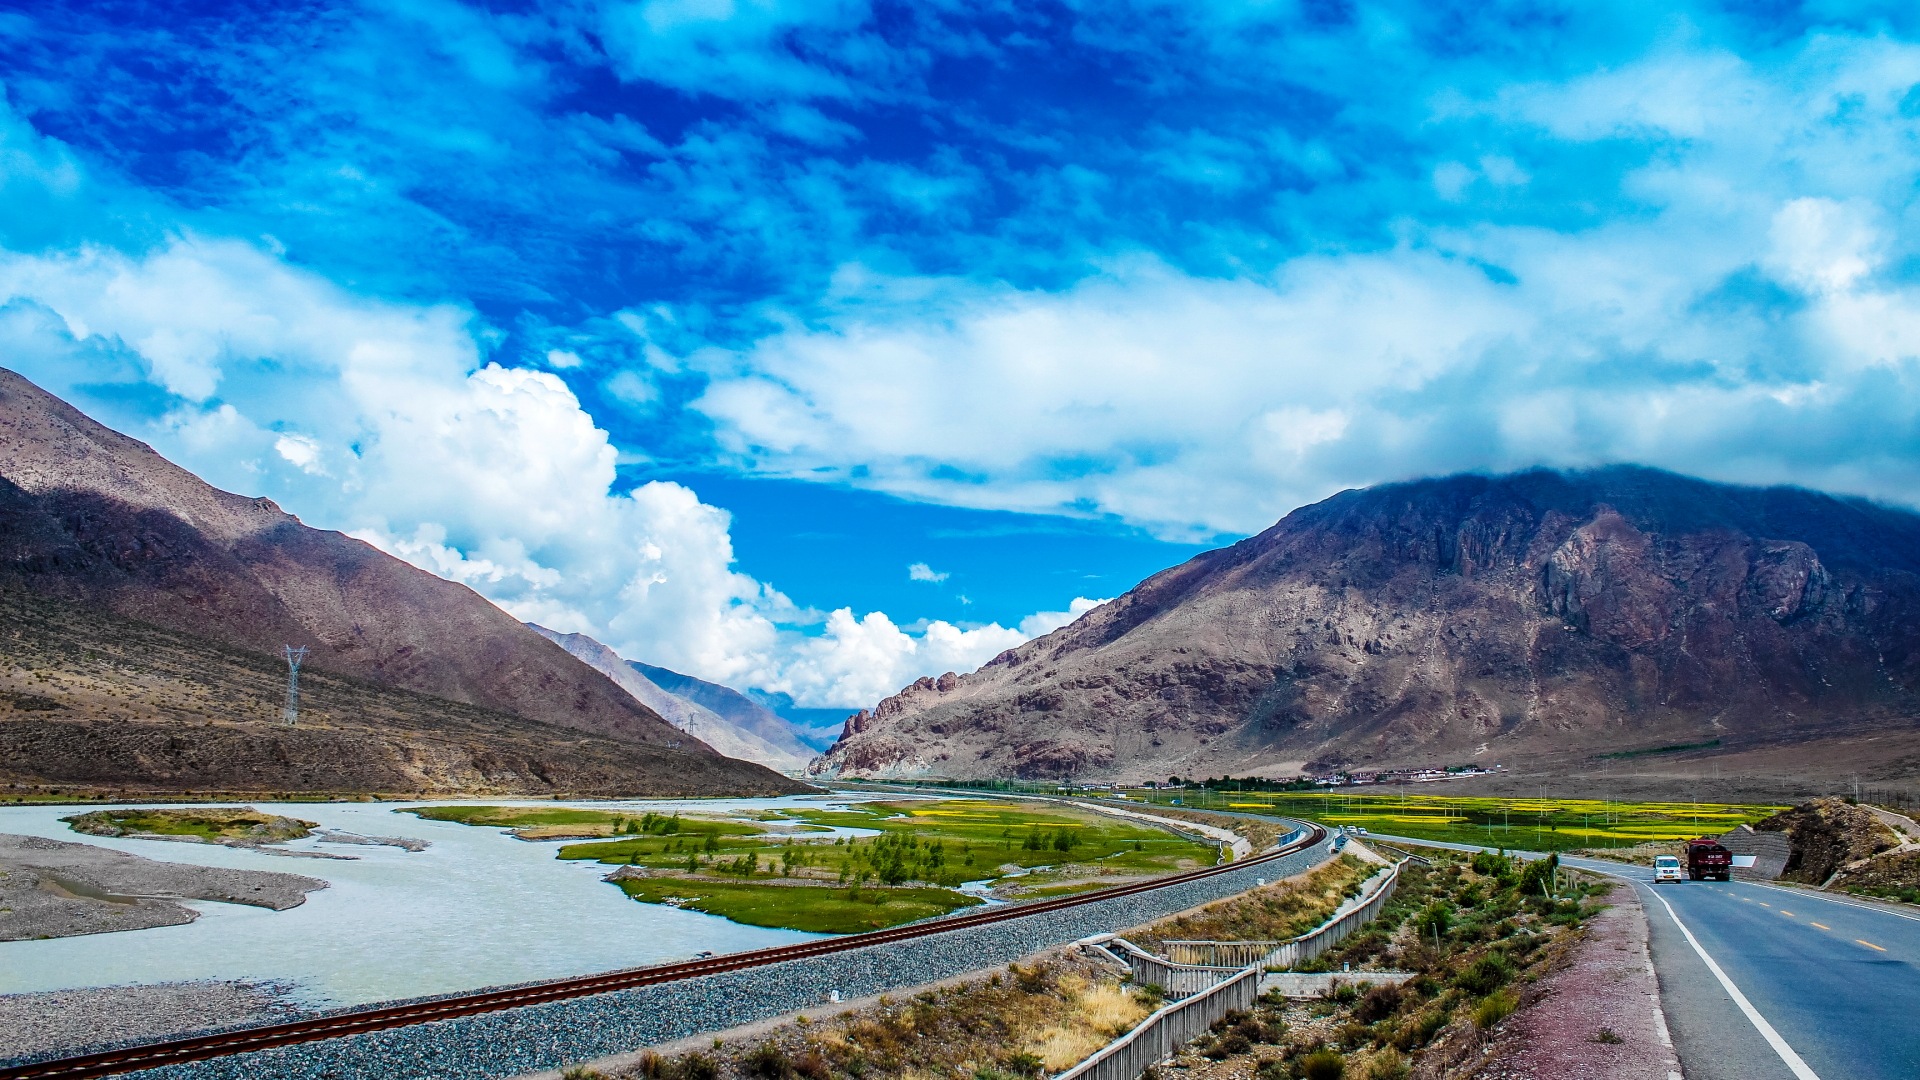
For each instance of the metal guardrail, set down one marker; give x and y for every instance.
(1161, 1035)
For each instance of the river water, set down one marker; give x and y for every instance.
(476, 908)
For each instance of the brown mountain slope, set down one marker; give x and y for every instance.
(1535, 617)
(91, 702)
(95, 521)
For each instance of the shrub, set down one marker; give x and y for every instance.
(1431, 1024)
(768, 1062)
(1257, 1029)
(1270, 1069)
(1379, 1003)
(581, 1072)
(1323, 1065)
(1484, 975)
(1025, 1064)
(1228, 1045)
(1389, 1065)
(697, 1066)
(1494, 1008)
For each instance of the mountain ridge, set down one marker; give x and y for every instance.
(1536, 615)
(718, 730)
(94, 520)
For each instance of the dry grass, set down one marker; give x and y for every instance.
(1272, 913)
(1045, 1015)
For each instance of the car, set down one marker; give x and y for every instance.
(1667, 868)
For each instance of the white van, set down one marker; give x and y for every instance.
(1666, 868)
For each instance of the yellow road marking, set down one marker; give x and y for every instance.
(1822, 926)
(1869, 945)
(1787, 913)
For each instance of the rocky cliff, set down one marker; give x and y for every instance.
(98, 531)
(1537, 616)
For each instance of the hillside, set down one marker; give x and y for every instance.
(1560, 620)
(101, 534)
(733, 734)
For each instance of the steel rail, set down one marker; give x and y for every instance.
(360, 1021)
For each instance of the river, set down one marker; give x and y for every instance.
(476, 908)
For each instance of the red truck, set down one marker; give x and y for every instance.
(1708, 861)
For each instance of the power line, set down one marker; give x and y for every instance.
(294, 654)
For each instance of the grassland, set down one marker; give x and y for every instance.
(562, 822)
(212, 824)
(797, 868)
(936, 843)
(1527, 824)
(799, 907)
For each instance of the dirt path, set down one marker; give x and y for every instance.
(1598, 1018)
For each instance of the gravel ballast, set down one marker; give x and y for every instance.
(542, 1037)
(60, 1021)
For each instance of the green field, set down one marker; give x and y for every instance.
(614, 822)
(800, 907)
(1528, 824)
(939, 843)
(795, 877)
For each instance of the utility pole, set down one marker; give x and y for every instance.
(294, 654)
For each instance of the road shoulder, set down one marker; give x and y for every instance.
(1597, 1018)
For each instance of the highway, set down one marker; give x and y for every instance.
(1807, 986)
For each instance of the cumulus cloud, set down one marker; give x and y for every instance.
(1749, 321)
(922, 572)
(488, 475)
(1041, 623)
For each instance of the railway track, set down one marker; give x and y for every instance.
(360, 1021)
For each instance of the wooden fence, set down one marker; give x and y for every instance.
(1216, 954)
(1206, 992)
(1161, 1035)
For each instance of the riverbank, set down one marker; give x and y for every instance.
(56, 888)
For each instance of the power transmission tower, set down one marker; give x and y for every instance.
(294, 654)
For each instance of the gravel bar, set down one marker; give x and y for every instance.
(533, 1038)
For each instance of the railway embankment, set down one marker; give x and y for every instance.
(512, 1042)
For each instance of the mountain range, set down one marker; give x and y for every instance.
(1560, 621)
(146, 611)
(719, 716)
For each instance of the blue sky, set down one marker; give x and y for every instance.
(696, 325)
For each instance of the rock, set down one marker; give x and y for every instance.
(1827, 836)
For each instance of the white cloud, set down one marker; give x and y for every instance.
(1041, 623)
(301, 452)
(1748, 315)
(922, 572)
(487, 475)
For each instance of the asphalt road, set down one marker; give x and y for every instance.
(1808, 986)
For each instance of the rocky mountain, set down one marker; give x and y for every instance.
(737, 733)
(105, 539)
(1567, 620)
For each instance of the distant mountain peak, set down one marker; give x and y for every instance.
(721, 717)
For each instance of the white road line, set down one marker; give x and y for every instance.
(1794, 1063)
